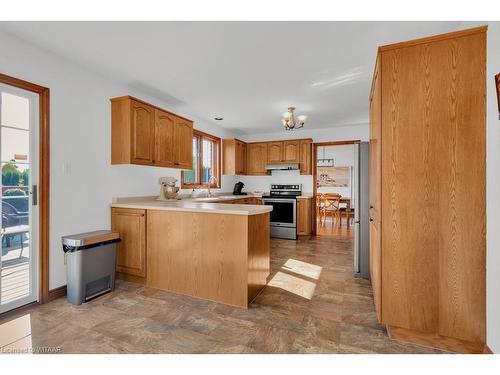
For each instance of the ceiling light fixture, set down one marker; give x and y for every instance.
(290, 121)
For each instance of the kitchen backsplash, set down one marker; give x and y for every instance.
(262, 183)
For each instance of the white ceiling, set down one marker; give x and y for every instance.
(246, 72)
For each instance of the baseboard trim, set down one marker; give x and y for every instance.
(131, 278)
(487, 350)
(57, 293)
(435, 341)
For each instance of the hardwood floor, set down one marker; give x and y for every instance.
(334, 230)
(312, 304)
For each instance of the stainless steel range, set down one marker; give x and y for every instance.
(283, 199)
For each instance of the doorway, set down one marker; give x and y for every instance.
(335, 188)
(23, 193)
(340, 175)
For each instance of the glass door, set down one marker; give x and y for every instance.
(19, 160)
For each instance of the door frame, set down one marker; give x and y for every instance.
(315, 172)
(43, 178)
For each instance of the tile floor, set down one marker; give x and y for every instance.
(312, 305)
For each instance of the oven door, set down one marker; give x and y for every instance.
(284, 213)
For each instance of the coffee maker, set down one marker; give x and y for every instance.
(238, 187)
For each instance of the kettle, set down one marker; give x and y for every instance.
(238, 187)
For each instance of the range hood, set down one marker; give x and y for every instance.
(282, 167)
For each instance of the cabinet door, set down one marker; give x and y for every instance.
(183, 144)
(275, 152)
(375, 146)
(240, 157)
(304, 217)
(164, 139)
(142, 123)
(305, 157)
(256, 158)
(244, 159)
(131, 253)
(375, 266)
(291, 151)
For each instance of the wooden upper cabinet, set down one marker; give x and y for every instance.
(305, 157)
(164, 138)
(183, 144)
(131, 251)
(257, 158)
(142, 123)
(275, 152)
(234, 156)
(291, 151)
(144, 134)
(241, 157)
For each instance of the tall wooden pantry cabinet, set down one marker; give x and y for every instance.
(428, 190)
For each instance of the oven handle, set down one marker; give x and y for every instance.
(279, 200)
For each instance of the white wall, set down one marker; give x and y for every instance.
(80, 136)
(493, 189)
(343, 157)
(341, 133)
(334, 133)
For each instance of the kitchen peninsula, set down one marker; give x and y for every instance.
(201, 248)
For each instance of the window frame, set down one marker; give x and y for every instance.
(200, 136)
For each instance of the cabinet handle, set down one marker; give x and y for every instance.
(176, 163)
(371, 219)
(371, 206)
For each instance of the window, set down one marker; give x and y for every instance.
(206, 162)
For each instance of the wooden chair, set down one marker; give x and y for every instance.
(320, 206)
(332, 206)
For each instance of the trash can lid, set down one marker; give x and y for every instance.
(90, 238)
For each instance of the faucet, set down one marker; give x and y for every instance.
(211, 180)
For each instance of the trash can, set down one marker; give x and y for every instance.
(90, 266)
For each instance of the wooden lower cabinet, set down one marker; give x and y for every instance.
(250, 200)
(131, 253)
(304, 216)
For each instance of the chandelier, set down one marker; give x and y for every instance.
(290, 121)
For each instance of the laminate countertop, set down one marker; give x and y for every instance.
(214, 205)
